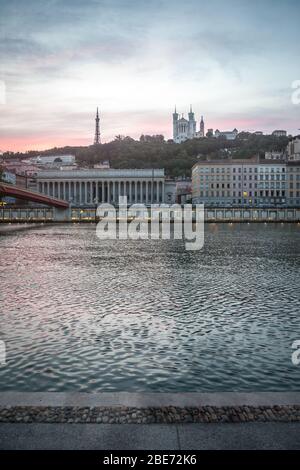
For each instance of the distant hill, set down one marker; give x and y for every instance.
(154, 152)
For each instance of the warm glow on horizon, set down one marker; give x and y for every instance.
(136, 61)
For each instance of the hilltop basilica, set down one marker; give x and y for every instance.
(184, 129)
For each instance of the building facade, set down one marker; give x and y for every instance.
(229, 135)
(10, 178)
(293, 174)
(53, 160)
(274, 155)
(246, 183)
(293, 149)
(279, 133)
(90, 187)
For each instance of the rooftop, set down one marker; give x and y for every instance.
(105, 173)
(236, 162)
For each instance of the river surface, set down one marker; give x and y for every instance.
(80, 314)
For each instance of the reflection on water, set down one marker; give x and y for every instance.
(82, 314)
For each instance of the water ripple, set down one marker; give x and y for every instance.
(80, 314)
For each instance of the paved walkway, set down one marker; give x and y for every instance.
(242, 436)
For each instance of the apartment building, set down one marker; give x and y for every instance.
(241, 183)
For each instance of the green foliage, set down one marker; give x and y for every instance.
(176, 159)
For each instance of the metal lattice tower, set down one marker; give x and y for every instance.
(97, 130)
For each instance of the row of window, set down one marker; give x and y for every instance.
(245, 194)
(244, 178)
(245, 169)
(253, 202)
(261, 185)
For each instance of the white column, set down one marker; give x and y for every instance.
(64, 190)
(135, 191)
(114, 191)
(108, 191)
(90, 200)
(130, 192)
(146, 192)
(102, 190)
(80, 192)
(97, 191)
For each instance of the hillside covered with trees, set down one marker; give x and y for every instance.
(155, 152)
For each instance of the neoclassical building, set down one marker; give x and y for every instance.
(90, 187)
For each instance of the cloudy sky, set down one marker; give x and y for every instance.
(234, 60)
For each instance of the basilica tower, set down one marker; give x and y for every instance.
(202, 127)
(192, 124)
(175, 124)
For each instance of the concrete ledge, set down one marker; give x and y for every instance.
(146, 400)
(244, 436)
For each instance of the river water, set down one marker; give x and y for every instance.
(80, 314)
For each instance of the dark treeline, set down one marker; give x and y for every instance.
(155, 152)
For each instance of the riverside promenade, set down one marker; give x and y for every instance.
(130, 421)
(214, 214)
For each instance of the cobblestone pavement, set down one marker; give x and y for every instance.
(161, 415)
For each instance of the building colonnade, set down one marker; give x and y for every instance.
(89, 192)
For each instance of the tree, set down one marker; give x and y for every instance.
(154, 152)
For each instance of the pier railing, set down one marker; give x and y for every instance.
(38, 214)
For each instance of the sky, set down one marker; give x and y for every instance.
(234, 61)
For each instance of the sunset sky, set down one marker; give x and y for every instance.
(234, 60)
